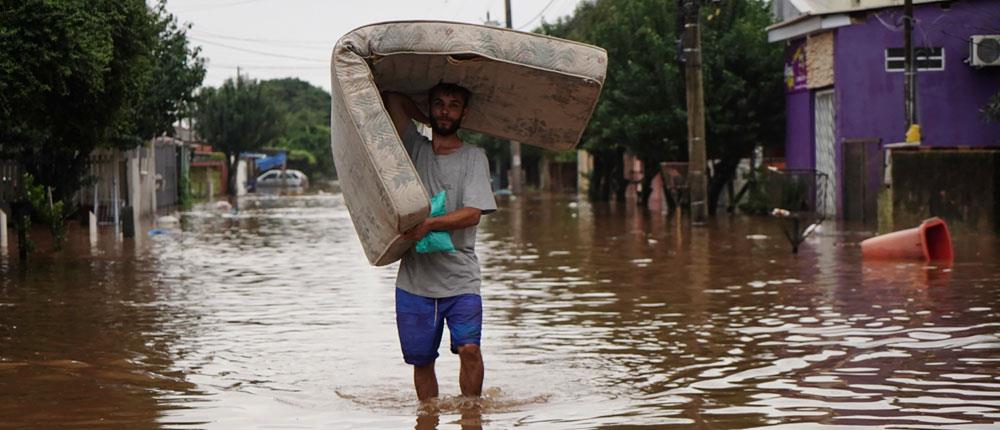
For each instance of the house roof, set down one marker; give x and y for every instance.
(811, 16)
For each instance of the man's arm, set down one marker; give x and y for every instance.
(402, 109)
(456, 220)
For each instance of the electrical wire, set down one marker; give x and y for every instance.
(254, 51)
(225, 5)
(539, 15)
(285, 42)
(268, 67)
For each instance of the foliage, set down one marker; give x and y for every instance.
(51, 213)
(306, 112)
(78, 75)
(70, 73)
(235, 118)
(642, 108)
(177, 72)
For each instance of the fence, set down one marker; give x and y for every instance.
(797, 190)
(107, 173)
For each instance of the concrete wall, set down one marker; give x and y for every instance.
(961, 187)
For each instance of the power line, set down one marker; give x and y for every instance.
(254, 51)
(286, 42)
(225, 5)
(268, 67)
(536, 16)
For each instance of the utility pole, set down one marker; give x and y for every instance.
(697, 179)
(515, 146)
(910, 67)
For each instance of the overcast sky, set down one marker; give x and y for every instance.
(293, 38)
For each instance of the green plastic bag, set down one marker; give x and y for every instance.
(436, 241)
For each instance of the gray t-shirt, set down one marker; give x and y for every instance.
(464, 175)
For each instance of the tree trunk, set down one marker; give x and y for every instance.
(649, 170)
(20, 211)
(595, 192)
(725, 171)
(600, 177)
(618, 175)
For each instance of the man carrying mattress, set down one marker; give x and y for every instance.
(439, 286)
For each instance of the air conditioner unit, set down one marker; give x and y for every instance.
(984, 50)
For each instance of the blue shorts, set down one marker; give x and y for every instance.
(420, 322)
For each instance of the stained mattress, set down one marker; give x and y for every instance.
(534, 89)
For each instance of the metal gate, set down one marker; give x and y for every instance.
(166, 175)
(826, 159)
(862, 167)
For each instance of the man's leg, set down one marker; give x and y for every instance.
(420, 327)
(464, 315)
(470, 374)
(426, 382)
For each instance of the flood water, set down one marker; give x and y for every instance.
(596, 316)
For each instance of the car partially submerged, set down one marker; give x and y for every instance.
(288, 178)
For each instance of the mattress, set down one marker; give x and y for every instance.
(531, 88)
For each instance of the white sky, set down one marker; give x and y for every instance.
(293, 38)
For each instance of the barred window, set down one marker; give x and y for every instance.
(930, 59)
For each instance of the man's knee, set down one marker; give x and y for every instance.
(469, 352)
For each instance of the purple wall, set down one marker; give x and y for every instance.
(799, 152)
(870, 100)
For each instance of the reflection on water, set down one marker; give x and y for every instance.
(596, 317)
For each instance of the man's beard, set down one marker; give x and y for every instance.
(441, 131)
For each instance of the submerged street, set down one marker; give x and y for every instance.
(596, 316)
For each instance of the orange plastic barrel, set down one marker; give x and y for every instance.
(930, 241)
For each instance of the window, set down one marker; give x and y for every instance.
(929, 59)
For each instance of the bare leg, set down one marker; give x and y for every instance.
(426, 382)
(470, 376)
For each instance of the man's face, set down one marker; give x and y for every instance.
(447, 111)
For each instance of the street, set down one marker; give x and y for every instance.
(595, 316)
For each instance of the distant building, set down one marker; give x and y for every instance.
(844, 85)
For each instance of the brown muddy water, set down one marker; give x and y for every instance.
(595, 317)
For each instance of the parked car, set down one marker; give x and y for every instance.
(278, 178)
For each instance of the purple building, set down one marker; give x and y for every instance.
(844, 86)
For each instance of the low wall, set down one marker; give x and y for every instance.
(960, 186)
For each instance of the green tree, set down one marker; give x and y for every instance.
(591, 23)
(71, 75)
(177, 72)
(642, 108)
(235, 118)
(745, 104)
(77, 75)
(306, 135)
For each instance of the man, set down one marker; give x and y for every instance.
(433, 289)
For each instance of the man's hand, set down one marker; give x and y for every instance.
(418, 232)
(459, 219)
(401, 110)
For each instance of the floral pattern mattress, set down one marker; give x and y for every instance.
(531, 88)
